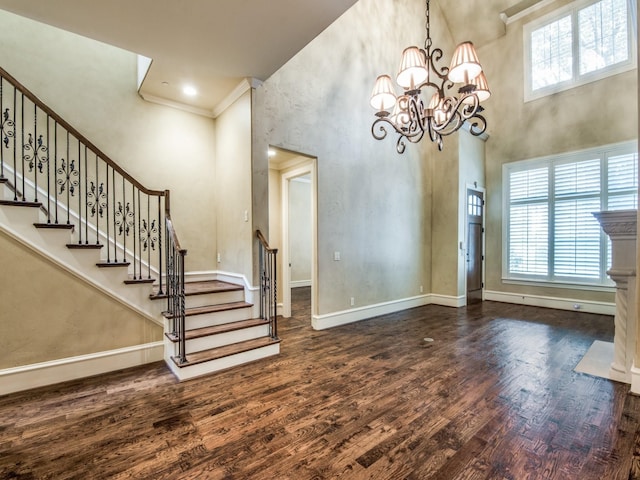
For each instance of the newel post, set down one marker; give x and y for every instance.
(621, 227)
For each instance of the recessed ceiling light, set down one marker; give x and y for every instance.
(189, 91)
(165, 84)
(272, 153)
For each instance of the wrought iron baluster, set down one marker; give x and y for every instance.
(115, 217)
(86, 197)
(55, 168)
(48, 169)
(15, 152)
(86, 240)
(160, 291)
(135, 227)
(107, 209)
(35, 144)
(22, 145)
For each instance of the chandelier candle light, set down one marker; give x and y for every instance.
(445, 113)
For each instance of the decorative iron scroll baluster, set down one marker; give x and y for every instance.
(268, 285)
(15, 169)
(99, 198)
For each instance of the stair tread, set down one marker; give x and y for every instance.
(113, 264)
(227, 350)
(222, 307)
(216, 329)
(20, 203)
(202, 287)
(61, 226)
(84, 246)
(133, 281)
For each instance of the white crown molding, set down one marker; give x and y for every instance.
(180, 106)
(244, 86)
(523, 9)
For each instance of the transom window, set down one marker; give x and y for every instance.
(585, 41)
(550, 234)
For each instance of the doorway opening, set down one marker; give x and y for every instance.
(475, 245)
(293, 227)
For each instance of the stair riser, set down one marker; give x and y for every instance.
(19, 218)
(215, 298)
(218, 318)
(200, 369)
(227, 338)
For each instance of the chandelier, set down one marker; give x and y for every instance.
(445, 113)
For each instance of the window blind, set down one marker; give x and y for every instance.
(551, 234)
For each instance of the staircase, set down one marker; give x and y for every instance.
(68, 201)
(220, 332)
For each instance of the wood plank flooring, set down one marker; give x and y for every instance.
(494, 396)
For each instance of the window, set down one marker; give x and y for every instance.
(550, 234)
(586, 41)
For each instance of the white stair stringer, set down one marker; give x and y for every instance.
(18, 223)
(218, 364)
(218, 318)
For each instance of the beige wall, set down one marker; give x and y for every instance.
(233, 188)
(595, 114)
(374, 205)
(48, 314)
(93, 87)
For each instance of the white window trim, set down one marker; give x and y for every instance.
(577, 80)
(542, 281)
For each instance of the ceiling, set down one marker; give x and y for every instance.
(214, 45)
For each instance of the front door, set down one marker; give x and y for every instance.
(475, 212)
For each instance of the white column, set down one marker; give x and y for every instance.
(621, 226)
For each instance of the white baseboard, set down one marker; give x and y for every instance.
(602, 308)
(635, 380)
(56, 371)
(322, 322)
(448, 301)
(300, 283)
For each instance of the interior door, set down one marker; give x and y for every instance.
(475, 256)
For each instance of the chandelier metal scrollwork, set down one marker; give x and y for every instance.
(445, 113)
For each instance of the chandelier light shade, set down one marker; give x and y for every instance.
(482, 89)
(383, 97)
(465, 65)
(412, 70)
(447, 110)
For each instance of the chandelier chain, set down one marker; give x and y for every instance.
(427, 41)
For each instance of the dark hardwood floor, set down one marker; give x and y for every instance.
(494, 396)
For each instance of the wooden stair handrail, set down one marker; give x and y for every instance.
(170, 228)
(264, 242)
(40, 104)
